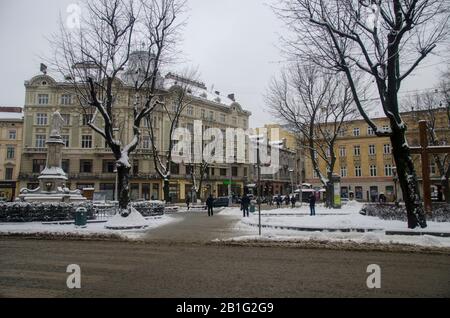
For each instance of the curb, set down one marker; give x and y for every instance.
(308, 229)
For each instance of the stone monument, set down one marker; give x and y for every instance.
(52, 180)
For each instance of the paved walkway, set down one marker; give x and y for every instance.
(197, 227)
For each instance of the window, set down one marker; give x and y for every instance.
(388, 172)
(211, 115)
(357, 151)
(342, 151)
(245, 172)
(43, 99)
(343, 172)
(174, 168)
(358, 171)
(65, 165)
(65, 139)
(212, 171)
(87, 118)
(12, 134)
(244, 123)
(203, 114)
(9, 173)
(370, 131)
(146, 142)
(109, 166)
(10, 152)
(41, 119)
(66, 99)
(86, 166)
(190, 111)
(40, 141)
(341, 132)
(356, 132)
(234, 120)
(66, 118)
(86, 141)
(223, 172)
(372, 150)
(136, 167)
(433, 168)
(174, 107)
(373, 171)
(315, 174)
(38, 165)
(234, 171)
(387, 149)
(223, 118)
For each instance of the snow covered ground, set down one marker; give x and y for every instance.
(91, 229)
(344, 219)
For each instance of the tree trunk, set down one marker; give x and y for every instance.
(166, 190)
(408, 180)
(123, 188)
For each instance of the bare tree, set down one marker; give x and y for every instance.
(383, 40)
(431, 106)
(315, 106)
(171, 111)
(113, 62)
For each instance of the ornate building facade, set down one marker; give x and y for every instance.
(89, 163)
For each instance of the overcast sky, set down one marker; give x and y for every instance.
(232, 42)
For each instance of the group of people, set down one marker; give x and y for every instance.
(246, 201)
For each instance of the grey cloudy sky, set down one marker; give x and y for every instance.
(232, 42)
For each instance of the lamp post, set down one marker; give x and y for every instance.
(258, 139)
(291, 171)
(395, 179)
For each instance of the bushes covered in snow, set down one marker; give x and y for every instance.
(441, 212)
(42, 212)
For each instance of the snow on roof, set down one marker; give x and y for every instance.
(200, 91)
(11, 116)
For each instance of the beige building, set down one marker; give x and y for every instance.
(291, 172)
(365, 163)
(90, 164)
(11, 123)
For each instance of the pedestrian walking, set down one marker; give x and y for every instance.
(245, 203)
(287, 200)
(210, 205)
(293, 201)
(312, 204)
(279, 200)
(188, 203)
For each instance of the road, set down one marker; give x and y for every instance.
(37, 268)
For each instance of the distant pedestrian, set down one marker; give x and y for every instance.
(312, 204)
(287, 200)
(210, 205)
(188, 203)
(279, 200)
(245, 203)
(293, 201)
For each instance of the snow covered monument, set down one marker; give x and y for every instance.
(52, 180)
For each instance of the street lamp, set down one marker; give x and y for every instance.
(395, 179)
(258, 139)
(291, 171)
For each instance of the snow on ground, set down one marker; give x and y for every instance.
(346, 218)
(91, 229)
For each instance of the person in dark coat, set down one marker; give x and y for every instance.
(245, 203)
(188, 203)
(312, 204)
(279, 200)
(210, 205)
(293, 201)
(287, 200)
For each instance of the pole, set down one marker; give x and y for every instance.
(259, 184)
(230, 198)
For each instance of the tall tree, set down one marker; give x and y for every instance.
(315, 106)
(385, 40)
(120, 47)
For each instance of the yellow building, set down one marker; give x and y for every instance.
(11, 122)
(89, 163)
(365, 163)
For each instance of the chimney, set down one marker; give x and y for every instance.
(232, 97)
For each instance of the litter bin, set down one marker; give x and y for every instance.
(252, 208)
(81, 217)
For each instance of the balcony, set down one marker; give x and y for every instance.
(33, 150)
